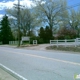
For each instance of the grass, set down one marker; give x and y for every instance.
(63, 48)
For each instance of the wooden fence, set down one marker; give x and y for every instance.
(69, 42)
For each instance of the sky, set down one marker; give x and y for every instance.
(9, 4)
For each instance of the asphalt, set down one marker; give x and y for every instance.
(41, 65)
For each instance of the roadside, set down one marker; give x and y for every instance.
(38, 47)
(32, 47)
(5, 76)
(47, 47)
(63, 48)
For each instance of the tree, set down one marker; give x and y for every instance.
(66, 33)
(71, 19)
(6, 34)
(48, 11)
(42, 33)
(48, 34)
(27, 20)
(31, 33)
(45, 34)
(0, 35)
(74, 21)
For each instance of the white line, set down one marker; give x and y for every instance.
(58, 60)
(16, 75)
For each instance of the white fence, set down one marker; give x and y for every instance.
(70, 42)
(16, 42)
(13, 42)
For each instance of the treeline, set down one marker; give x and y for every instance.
(58, 21)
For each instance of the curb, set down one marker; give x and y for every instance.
(11, 72)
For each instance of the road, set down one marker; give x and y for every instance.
(41, 65)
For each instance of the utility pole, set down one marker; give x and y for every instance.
(18, 19)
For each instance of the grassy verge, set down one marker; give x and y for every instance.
(62, 48)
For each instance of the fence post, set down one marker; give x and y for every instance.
(13, 42)
(34, 42)
(65, 42)
(75, 43)
(21, 42)
(9, 42)
(50, 42)
(57, 43)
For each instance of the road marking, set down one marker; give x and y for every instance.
(58, 60)
(14, 74)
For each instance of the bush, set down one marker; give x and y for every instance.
(39, 40)
(66, 33)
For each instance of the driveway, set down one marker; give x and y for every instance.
(38, 47)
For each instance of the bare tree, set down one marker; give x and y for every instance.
(26, 19)
(74, 21)
(48, 11)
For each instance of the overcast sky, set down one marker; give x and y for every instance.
(9, 3)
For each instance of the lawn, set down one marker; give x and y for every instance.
(63, 48)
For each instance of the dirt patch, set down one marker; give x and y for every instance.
(37, 47)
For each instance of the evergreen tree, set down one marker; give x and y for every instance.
(0, 35)
(42, 33)
(46, 34)
(6, 34)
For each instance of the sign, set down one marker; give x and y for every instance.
(25, 38)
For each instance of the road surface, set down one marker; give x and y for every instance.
(41, 65)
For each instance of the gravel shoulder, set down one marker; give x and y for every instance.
(5, 76)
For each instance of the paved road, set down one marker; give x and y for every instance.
(41, 65)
